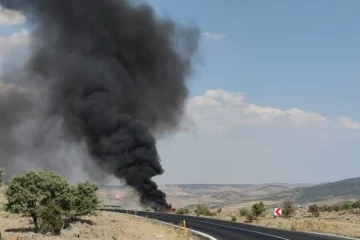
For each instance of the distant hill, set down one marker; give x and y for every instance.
(348, 188)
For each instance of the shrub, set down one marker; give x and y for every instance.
(288, 208)
(356, 204)
(182, 211)
(1, 174)
(233, 218)
(314, 210)
(250, 217)
(51, 218)
(257, 209)
(201, 209)
(84, 200)
(325, 208)
(243, 212)
(346, 206)
(219, 211)
(336, 208)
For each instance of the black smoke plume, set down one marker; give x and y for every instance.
(116, 75)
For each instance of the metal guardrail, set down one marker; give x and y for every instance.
(111, 207)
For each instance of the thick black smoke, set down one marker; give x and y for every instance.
(116, 75)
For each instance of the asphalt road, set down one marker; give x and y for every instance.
(226, 230)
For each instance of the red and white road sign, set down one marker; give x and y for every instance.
(277, 212)
(117, 197)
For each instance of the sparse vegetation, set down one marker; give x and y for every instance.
(325, 208)
(343, 223)
(353, 207)
(258, 209)
(182, 211)
(49, 200)
(202, 209)
(2, 172)
(243, 212)
(356, 204)
(288, 208)
(314, 210)
(250, 217)
(219, 211)
(347, 188)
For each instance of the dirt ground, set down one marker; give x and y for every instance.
(105, 226)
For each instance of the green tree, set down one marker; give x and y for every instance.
(257, 209)
(30, 193)
(314, 210)
(50, 200)
(84, 200)
(288, 208)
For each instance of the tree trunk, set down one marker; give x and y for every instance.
(35, 220)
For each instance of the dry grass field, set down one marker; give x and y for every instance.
(341, 223)
(105, 226)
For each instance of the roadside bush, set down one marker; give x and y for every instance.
(84, 200)
(1, 174)
(356, 204)
(49, 199)
(250, 217)
(314, 210)
(243, 212)
(325, 208)
(288, 208)
(201, 209)
(182, 211)
(233, 218)
(219, 211)
(257, 209)
(346, 206)
(336, 208)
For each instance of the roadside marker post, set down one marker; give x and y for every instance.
(277, 212)
(184, 222)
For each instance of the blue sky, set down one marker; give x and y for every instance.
(282, 53)
(279, 90)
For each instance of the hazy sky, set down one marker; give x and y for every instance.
(275, 99)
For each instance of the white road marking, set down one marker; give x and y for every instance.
(241, 229)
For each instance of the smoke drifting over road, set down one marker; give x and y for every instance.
(116, 77)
